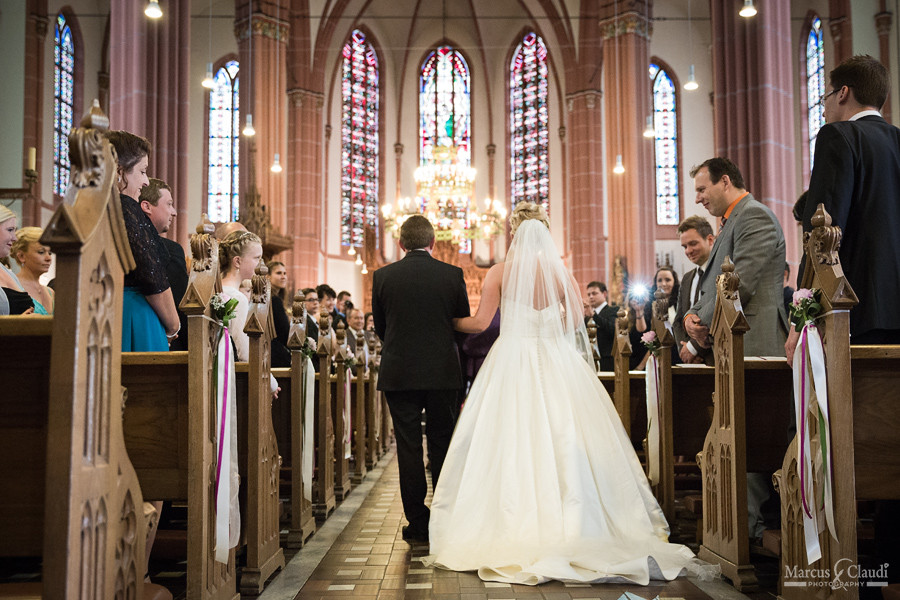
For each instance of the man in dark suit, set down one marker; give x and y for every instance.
(856, 175)
(603, 315)
(697, 239)
(157, 202)
(414, 302)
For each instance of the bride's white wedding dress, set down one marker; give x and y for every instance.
(541, 481)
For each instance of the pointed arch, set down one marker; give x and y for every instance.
(529, 121)
(222, 199)
(666, 147)
(445, 108)
(360, 137)
(68, 66)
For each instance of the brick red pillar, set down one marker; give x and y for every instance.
(127, 67)
(839, 22)
(754, 105)
(263, 94)
(585, 150)
(33, 115)
(632, 211)
(167, 67)
(304, 173)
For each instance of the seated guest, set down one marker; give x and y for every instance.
(328, 298)
(158, 204)
(281, 356)
(311, 303)
(278, 277)
(369, 322)
(14, 300)
(34, 260)
(149, 316)
(360, 352)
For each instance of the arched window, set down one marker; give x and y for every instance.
(445, 121)
(665, 147)
(224, 129)
(529, 123)
(359, 139)
(815, 83)
(63, 103)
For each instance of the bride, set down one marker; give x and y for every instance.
(540, 481)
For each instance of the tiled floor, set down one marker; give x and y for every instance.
(369, 559)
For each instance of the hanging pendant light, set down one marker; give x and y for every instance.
(276, 164)
(649, 130)
(208, 81)
(691, 84)
(249, 131)
(748, 10)
(619, 168)
(153, 10)
(364, 269)
(359, 259)
(351, 251)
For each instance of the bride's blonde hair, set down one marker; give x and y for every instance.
(525, 211)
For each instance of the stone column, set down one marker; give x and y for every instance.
(127, 67)
(167, 68)
(262, 94)
(631, 197)
(585, 149)
(883, 22)
(304, 175)
(841, 29)
(32, 117)
(149, 88)
(754, 105)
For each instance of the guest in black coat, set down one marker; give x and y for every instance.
(604, 315)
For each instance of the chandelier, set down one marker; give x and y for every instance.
(444, 192)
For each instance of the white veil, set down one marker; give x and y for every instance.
(539, 297)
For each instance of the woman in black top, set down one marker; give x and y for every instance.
(149, 316)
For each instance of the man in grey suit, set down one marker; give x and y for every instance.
(752, 237)
(697, 239)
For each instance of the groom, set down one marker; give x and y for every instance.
(414, 302)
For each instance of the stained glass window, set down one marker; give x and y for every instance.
(224, 140)
(815, 83)
(529, 123)
(445, 120)
(359, 139)
(665, 122)
(63, 103)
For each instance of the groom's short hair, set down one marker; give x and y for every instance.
(416, 232)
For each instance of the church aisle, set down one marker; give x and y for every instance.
(368, 559)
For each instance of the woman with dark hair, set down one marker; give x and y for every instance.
(149, 317)
(281, 356)
(666, 279)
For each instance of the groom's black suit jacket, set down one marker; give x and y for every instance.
(414, 301)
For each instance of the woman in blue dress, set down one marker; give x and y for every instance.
(149, 316)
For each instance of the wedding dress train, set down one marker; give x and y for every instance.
(541, 481)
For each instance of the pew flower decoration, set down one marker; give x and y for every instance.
(308, 349)
(805, 307)
(223, 306)
(651, 343)
(350, 362)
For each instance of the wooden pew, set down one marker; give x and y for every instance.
(342, 483)
(373, 407)
(861, 387)
(359, 409)
(323, 484)
(747, 433)
(387, 425)
(621, 358)
(263, 463)
(170, 424)
(289, 430)
(70, 493)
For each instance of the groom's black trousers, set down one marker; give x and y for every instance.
(441, 411)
